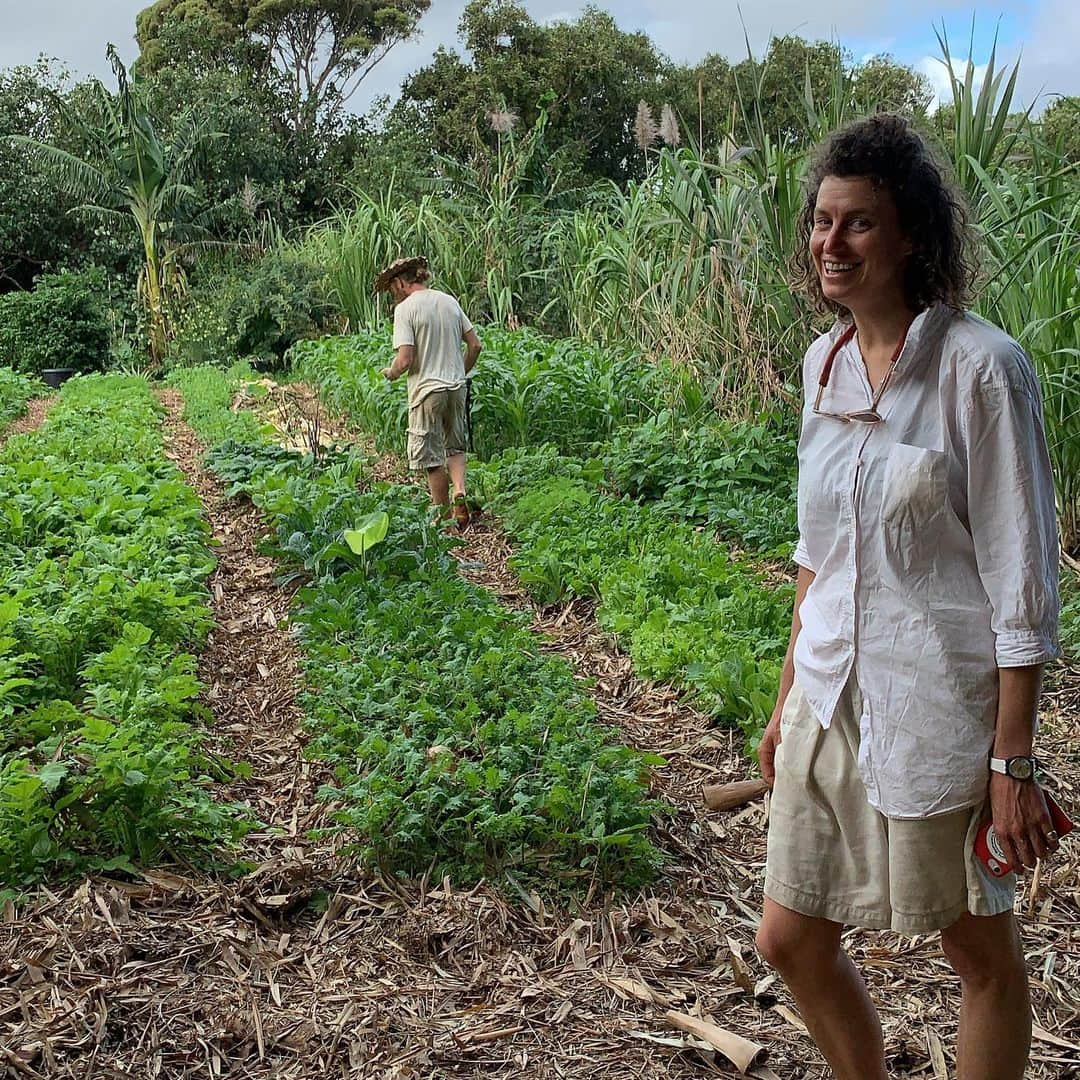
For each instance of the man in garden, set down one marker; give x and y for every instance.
(429, 327)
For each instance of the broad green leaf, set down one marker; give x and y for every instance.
(370, 531)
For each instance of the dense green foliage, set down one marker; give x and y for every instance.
(457, 745)
(60, 323)
(685, 610)
(15, 391)
(127, 169)
(737, 477)
(589, 74)
(527, 389)
(251, 310)
(102, 594)
(316, 53)
(38, 230)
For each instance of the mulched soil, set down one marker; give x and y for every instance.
(299, 967)
(36, 411)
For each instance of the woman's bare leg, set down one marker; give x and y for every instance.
(995, 1011)
(828, 989)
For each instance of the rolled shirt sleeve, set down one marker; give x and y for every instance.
(1011, 510)
(802, 555)
(404, 333)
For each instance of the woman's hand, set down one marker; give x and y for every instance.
(770, 740)
(1021, 821)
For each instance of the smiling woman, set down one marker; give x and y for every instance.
(925, 609)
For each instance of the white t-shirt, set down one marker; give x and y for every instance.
(934, 543)
(432, 322)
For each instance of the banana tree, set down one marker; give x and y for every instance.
(130, 173)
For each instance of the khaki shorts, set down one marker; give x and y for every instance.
(833, 856)
(437, 429)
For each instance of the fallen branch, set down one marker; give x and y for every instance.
(732, 796)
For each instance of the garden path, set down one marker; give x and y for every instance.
(296, 967)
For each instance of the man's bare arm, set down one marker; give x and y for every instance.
(473, 346)
(403, 361)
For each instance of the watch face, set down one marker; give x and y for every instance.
(1020, 768)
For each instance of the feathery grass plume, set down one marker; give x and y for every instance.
(249, 197)
(669, 126)
(502, 120)
(645, 127)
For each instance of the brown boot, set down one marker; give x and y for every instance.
(461, 512)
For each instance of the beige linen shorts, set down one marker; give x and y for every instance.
(437, 429)
(833, 856)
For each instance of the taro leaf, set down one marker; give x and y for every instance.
(370, 531)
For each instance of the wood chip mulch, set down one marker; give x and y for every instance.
(36, 411)
(297, 966)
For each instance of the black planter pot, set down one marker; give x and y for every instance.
(55, 376)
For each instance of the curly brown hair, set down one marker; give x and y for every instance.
(933, 216)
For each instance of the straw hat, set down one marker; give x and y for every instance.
(397, 267)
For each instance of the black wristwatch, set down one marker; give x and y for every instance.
(1019, 767)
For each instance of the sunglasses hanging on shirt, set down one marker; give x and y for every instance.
(858, 416)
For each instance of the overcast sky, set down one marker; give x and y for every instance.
(1045, 32)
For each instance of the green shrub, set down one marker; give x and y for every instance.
(255, 310)
(60, 323)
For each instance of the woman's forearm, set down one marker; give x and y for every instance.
(1018, 702)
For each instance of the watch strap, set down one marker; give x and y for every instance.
(1001, 765)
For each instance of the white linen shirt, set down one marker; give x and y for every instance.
(933, 541)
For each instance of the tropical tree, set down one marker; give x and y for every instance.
(129, 173)
(1061, 127)
(320, 49)
(586, 74)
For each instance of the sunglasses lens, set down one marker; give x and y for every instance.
(866, 416)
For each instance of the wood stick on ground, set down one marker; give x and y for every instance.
(732, 796)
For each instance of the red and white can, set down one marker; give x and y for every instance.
(988, 846)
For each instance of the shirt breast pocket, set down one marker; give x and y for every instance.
(913, 498)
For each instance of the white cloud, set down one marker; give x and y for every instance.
(937, 74)
(1048, 62)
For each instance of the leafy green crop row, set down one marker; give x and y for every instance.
(16, 390)
(737, 478)
(102, 592)
(527, 389)
(685, 609)
(208, 394)
(456, 743)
